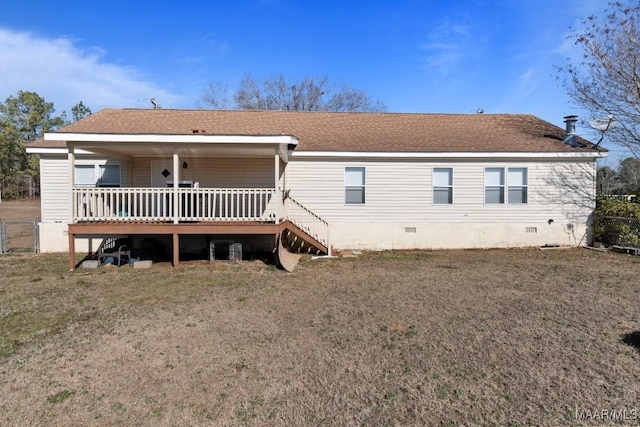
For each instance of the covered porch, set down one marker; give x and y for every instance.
(183, 185)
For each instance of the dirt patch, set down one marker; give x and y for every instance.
(498, 337)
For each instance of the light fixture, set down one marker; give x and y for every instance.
(185, 165)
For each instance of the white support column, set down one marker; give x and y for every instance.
(72, 180)
(277, 187)
(176, 182)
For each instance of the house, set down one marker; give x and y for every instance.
(372, 181)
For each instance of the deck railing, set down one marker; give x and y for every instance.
(162, 204)
(307, 221)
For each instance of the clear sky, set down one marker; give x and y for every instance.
(451, 56)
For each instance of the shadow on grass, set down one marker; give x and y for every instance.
(632, 339)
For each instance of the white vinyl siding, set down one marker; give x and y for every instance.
(395, 190)
(442, 186)
(354, 185)
(54, 189)
(213, 172)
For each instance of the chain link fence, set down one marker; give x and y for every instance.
(19, 236)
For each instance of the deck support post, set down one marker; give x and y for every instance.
(72, 251)
(176, 250)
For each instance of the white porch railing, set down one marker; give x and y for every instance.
(159, 204)
(307, 221)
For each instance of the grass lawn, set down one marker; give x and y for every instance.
(479, 337)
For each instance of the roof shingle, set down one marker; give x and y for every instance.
(325, 131)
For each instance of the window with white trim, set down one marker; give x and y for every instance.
(442, 186)
(85, 176)
(97, 175)
(512, 182)
(354, 185)
(517, 182)
(109, 175)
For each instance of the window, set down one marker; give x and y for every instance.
(85, 176)
(442, 186)
(494, 185)
(109, 175)
(354, 185)
(97, 175)
(517, 181)
(515, 185)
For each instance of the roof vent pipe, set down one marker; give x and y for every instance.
(570, 135)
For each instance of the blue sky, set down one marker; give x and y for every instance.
(414, 55)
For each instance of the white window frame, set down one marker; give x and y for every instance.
(362, 187)
(448, 187)
(505, 185)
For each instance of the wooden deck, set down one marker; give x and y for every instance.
(114, 228)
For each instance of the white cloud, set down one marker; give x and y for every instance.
(64, 74)
(448, 45)
(527, 83)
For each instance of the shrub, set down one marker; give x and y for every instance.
(617, 222)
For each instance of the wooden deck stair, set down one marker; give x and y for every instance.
(303, 230)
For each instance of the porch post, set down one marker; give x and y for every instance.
(176, 182)
(72, 180)
(278, 194)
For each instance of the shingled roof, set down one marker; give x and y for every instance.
(325, 131)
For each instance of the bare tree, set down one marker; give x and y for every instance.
(216, 96)
(281, 93)
(605, 79)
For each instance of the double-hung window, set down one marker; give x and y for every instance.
(511, 182)
(517, 181)
(442, 186)
(354, 185)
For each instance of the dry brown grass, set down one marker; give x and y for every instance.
(20, 210)
(499, 337)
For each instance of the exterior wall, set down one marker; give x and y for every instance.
(213, 172)
(55, 196)
(399, 212)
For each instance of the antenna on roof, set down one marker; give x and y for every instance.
(155, 104)
(603, 124)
